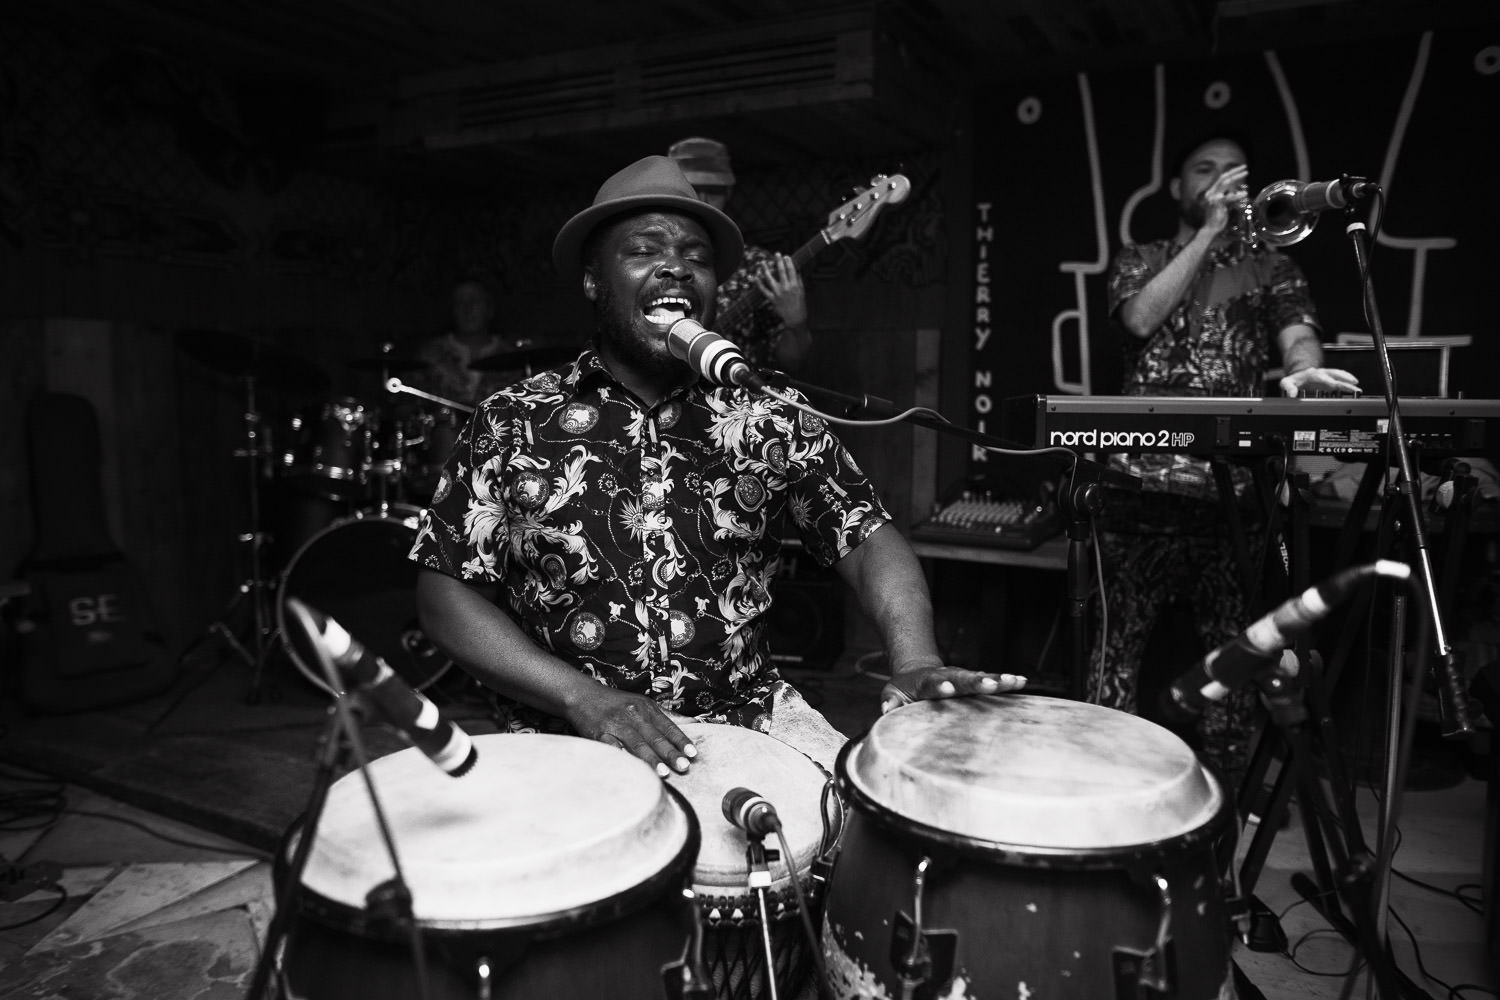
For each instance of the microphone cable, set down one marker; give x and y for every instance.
(813, 941)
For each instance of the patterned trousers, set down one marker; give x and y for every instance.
(1143, 574)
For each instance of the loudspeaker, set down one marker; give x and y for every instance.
(805, 626)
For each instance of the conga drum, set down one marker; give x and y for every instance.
(1015, 845)
(732, 757)
(557, 867)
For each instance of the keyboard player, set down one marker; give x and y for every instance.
(1200, 314)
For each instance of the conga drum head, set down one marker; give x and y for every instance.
(732, 757)
(1035, 773)
(544, 829)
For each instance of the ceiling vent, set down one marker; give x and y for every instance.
(838, 61)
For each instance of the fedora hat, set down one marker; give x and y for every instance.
(655, 182)
(704, 162)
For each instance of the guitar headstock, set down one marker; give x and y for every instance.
(854, 217)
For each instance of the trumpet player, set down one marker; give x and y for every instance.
(1201, 312)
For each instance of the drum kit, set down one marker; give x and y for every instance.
(334, 491)
(1011, 845)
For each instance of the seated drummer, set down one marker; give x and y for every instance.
(603, 543)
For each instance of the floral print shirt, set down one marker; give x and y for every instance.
(641, 544)
(1216, 342)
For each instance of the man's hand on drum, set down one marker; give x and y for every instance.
(926, 682)
(635, 724)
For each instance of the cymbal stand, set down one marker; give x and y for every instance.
(255, 586)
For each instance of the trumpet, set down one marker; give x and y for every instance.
(1273, 218)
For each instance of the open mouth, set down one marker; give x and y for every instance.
(664, 310)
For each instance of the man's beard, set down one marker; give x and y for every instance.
(614, 327)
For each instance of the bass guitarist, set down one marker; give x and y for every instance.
(773, 331)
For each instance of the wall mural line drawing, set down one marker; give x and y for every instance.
(1082, 270)
(1418, 245)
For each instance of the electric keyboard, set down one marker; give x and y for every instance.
(975, 519)
(1219, 426)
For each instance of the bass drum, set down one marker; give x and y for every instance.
(356, 572)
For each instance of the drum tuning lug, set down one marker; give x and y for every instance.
(934, 955)
(1142, 975)
(389, 904)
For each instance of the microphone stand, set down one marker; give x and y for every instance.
(756, 857)
(391, 899)
(1364, 877)
(1452, 701)
(1079, 502)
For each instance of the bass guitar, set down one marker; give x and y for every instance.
(850, 220)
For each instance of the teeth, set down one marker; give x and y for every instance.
(667, 309)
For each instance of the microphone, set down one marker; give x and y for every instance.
(399, 706)
(1322, 195)
(750, 812)
(715, 357)
(1253, 650)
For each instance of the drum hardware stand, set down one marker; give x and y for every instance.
(689, 978)
(390, 901)
(255, 586)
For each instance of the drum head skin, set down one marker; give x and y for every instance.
(734, 757)
(1032, 772)
(543, 826)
